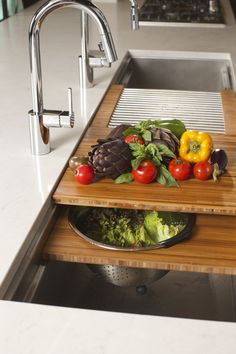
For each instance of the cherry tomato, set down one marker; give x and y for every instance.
(180, 169)
(145, 173)
(134, 139)
(202, 170)
(84, 174)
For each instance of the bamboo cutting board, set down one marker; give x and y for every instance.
(210, 249)
(205, 197)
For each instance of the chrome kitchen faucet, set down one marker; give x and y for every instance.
(41, 119)
(90, 59)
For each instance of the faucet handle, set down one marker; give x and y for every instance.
(67, 119)
(60, 119)
(70, 100)
(97, 61)
(100, 47)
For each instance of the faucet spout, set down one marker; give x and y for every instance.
(134, 14)
(39, 124)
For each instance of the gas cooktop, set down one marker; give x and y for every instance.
(182, 11)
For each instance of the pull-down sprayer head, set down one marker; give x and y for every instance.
(134, 15)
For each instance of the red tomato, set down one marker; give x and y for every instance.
(180, 169)
(133, 139)
(145, 173)
(202, 170)
(84, 174)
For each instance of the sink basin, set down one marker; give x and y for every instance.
(208, 72)
(74, 285)
(174, 85)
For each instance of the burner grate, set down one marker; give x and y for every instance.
(185, 11)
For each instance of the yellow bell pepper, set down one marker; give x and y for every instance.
(195, 146)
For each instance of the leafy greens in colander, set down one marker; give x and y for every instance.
(131, 228)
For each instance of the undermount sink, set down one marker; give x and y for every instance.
(174, 85)
(208, 72)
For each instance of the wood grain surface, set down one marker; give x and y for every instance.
(210, 249)
(207, 197)
(229, 107)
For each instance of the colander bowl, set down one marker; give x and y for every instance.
(126, 276)
(77, 220)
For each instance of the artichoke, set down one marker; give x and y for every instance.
(117, 132)
(111, 157)
(165, 137)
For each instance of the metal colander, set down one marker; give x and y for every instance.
(125, 276)
(77, 218)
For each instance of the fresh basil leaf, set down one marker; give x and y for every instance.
(164, 150)
(146, 124)
(143, 125)
(147, 135)
(131, 131)
(137, 149)
(161, 179)
(125, 178)
(157, 161)
(136, 162)
(170, 181)
(153, 150)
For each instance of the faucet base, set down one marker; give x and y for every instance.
(85, 73)
(39, 135)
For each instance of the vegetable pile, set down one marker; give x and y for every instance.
(131, 228)
(161, 151)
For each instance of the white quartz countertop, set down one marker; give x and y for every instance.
(34, 329)
(26, 181)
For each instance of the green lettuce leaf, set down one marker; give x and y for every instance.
(157, 229)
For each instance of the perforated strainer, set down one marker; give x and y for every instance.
(78, 216)
(124, 276)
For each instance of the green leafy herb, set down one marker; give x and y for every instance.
(131, 131)
(147, 135)
(146, 124)
(155, 154)
(124, 178)
(136, 162)
(153, 151)
(138, 149)
(164, 150)
(164, 175)
(161, 179)
(143, 128)
(130, 228)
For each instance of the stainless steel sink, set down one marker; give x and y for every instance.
(209, 72)
(178, 294)
(179, 85)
